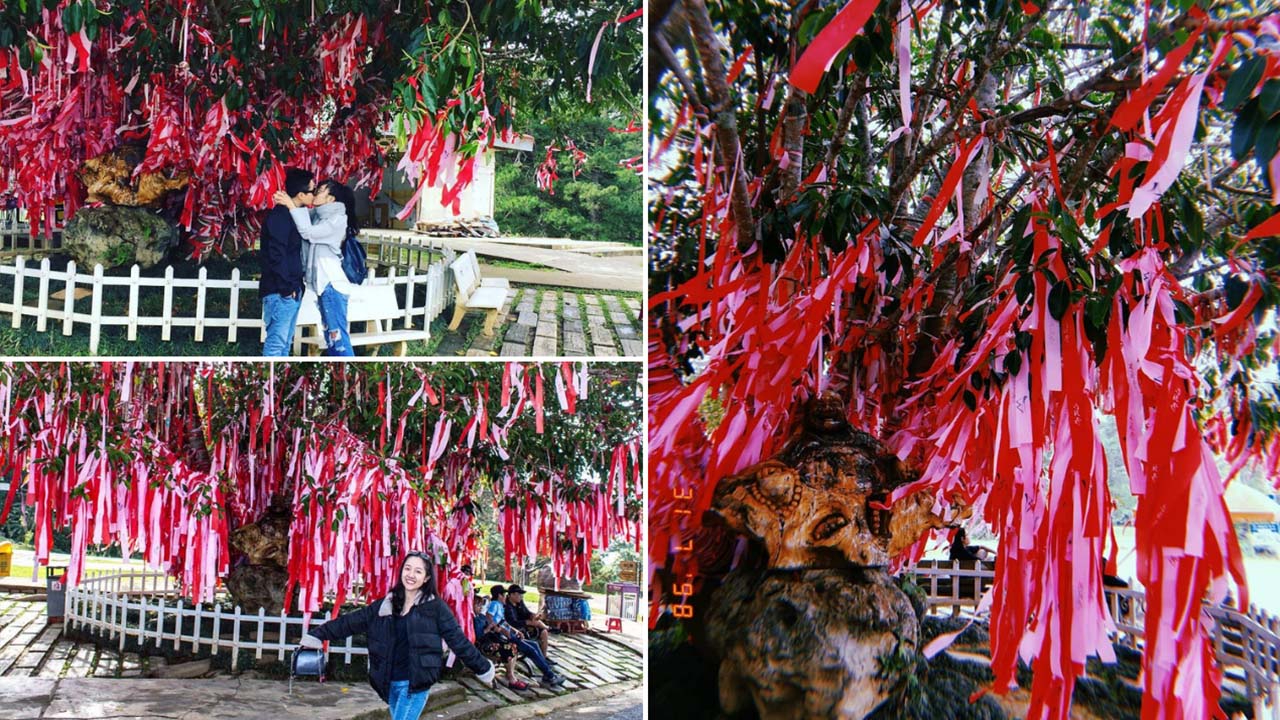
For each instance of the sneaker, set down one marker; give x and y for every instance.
(553, 681)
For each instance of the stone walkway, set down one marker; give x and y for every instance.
(46, 675)
(554, 323)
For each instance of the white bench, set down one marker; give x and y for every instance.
(473, 294)
(373, 304)
(474, 262)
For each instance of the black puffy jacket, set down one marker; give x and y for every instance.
(280, 251)
(429, 621)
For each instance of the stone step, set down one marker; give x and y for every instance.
(446, 692)
(466, 710)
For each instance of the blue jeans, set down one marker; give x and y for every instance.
(333, 311)
(280, 315)
(406, 705)
(531, 650)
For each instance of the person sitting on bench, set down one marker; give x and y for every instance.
(495, 645)
(520, 617)
(497, 615)
(962, 551)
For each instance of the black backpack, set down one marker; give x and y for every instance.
(353, 259)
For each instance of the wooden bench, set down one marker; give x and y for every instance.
(373, 304)
(474, 295)
(560, 610)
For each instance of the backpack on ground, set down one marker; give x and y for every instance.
(354, 259)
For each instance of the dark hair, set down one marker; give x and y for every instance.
(347, 197)
(297, 180)
(428, 585)
(497, 590)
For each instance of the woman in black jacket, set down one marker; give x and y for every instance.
(404, 630)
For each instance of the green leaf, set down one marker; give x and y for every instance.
(1024, 287)
(1243, 81)
(1119, 43)
(1269, 98)
(1245, 131)
(1086, 280)
(1265, 149)
(1059, 299)
(1013, 362)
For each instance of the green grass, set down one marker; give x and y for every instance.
(516, 264)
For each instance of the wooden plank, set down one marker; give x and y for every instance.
(20, 272)
(42, 298)
(202, 289)
(234, 314)
(166, 328)
(69, 300)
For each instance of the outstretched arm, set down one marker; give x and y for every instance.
(339, 627)
(460, 645)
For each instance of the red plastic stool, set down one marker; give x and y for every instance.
(613, 624)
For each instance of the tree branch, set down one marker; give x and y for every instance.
(724, 114)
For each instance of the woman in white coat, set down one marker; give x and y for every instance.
(334, 221)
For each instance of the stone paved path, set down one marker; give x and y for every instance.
(70, 673)
(554, 323)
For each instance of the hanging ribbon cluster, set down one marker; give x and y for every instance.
(167, 459)
(1076, 314)
(566, 521)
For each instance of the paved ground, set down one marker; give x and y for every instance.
(553, 323)
(625, 706)
(46, 675)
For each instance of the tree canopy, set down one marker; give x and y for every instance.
(596, 195)
(983, 224)
(372, 460)
(230, 92)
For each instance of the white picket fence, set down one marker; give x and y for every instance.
(1250, 642)
(427, 293)
(15, 235)
(146, 607)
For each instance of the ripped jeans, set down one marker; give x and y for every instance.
(333, 311)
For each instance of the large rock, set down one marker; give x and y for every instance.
(118, 236)
(809, 644)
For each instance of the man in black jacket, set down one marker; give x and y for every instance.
(280, 251)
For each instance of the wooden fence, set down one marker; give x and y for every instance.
(15, 235)
(1250, 642)
(427, 291)
(146, 607)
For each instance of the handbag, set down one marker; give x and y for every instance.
(306, 662)
(354, 260)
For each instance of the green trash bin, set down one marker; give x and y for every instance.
(55, 582)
